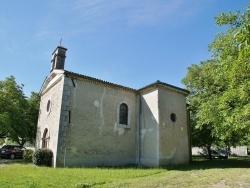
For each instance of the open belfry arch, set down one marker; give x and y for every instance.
(90, 122)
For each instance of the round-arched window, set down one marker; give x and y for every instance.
(123, 114)
(173, 117)
(45, 138)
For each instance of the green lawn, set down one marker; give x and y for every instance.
(234, 172)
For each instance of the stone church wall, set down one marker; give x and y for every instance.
(92, 135)
(49, 115)
(173, 131)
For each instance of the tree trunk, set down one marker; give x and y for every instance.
(228, 151)
(209, 152)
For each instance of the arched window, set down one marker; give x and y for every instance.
(45, 139)
(123, 114)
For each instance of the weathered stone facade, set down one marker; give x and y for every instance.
(83, 120)
(50, 119)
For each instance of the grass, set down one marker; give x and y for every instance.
(233, 172)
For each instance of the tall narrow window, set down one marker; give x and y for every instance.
(48, 107)
(69, 116)
(45, 139)
(123, 115)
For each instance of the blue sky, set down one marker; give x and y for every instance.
(127, 42)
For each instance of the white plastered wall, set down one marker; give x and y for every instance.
(174, 142)
(149, 128)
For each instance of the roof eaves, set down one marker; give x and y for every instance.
(69, 73)
(159, 83)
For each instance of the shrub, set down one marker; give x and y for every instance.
(28, 155)
(43, 157)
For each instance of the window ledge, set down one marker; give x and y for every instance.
(124, 126)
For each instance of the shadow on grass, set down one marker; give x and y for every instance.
(200, 163)
(15, 161)
(10, 160)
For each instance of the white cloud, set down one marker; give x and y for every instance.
(69, 18)
(74, 17)
(135, 12)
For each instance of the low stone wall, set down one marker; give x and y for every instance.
(237, 151)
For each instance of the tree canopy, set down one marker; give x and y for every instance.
(18, 114)
(220, 87)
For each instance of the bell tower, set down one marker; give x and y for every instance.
(58, 58)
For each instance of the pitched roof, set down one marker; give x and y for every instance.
(148, 87)
(70, 74)
(160, 84)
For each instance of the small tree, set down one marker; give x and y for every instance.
(28, 155)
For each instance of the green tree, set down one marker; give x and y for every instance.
(220, 87)
(32, 114)
(3, 132)
(243, 34)
(17, 113)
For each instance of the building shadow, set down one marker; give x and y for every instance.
(200, 163)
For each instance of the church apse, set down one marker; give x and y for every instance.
(149, 128)
(173, 131)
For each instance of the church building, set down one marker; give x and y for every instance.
(86, 121)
